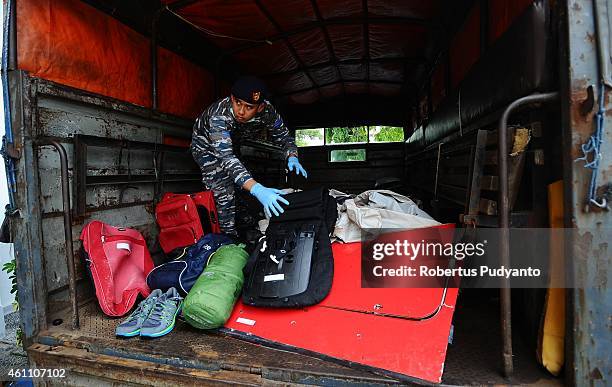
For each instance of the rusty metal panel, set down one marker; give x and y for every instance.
(41, 109)
(591, 302)
(49, 177)
(61, 117)
(26, 226)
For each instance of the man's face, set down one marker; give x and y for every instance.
(244, 111)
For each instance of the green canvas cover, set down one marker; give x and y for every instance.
(211, 300)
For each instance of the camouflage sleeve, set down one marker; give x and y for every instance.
(279, 134)
(216, 141)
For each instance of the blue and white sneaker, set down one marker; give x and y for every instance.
(162, 318)
(132, 324)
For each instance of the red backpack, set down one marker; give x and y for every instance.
(118, 261)
(184, 218)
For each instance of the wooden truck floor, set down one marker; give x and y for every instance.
(189, 356)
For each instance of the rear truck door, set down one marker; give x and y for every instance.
(586, 76)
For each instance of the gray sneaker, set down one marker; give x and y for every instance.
(162, 318)
(131, 326)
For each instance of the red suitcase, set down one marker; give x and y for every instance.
(185, 218)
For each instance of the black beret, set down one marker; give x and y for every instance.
(250, 89)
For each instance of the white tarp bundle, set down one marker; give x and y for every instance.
(372, 209)
(377, 209)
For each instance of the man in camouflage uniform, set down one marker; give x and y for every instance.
(244, 113)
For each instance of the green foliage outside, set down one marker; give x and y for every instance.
(347, 155)
(11, 269)
(343, 135)
(347, 135)
(309, 137)
(386, 134)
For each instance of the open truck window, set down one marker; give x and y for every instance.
(340, 155)
(309, 137)
(474, 116)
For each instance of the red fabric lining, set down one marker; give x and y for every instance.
(331, 90)
(176, 141)
(385, 90)
(72, 43)
(340, 8)
(390, 40)
(465, 49)
(502, 14)
(184, 87)
(406, 8)
(438, 85)
(356, 87)
(292, 14)
(69, 42)
(237, 18)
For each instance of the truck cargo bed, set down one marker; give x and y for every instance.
(188, 356)
(185, 350)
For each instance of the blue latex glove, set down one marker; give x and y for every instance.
(293, 162)
(269, 198)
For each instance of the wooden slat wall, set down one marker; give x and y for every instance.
(383, 160)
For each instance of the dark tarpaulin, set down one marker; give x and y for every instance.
(387, 71)
(407, 8)
(340, 8)
(240, 19)
(384, 89)
(325, 75)
(331, 90)
(267, 59)
(319, 43)
(305, 98)
(395, 40)
(292, 14)
(347, 41)
(286, 84)
(310, 47)
(353, 71)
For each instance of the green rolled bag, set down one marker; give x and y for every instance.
(210, 301)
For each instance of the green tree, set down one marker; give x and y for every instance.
(309, 137)
(11, 269)
(386, 134)
(341, 135)
(348, 155)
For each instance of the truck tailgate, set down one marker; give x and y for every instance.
(186, 355)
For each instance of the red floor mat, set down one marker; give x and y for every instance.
(399, 346)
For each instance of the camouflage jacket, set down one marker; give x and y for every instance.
(211, 142)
